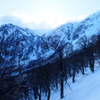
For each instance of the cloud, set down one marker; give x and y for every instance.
(10, 19)
(76, 18)
(41, 20)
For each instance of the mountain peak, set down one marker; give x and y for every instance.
(8, 25)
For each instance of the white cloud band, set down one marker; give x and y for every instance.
(42, 20)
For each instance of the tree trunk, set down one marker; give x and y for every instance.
(62, 89)
(49, 92)
(56, 84)
(40, 94)
(73, 78)
(82, 69)
(35, 93)
(69, 70)
(61, 79)
(91, 62)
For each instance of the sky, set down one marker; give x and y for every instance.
(45, 14)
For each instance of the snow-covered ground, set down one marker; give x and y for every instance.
(86, 87)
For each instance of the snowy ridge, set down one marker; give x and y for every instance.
(88, 27)
(35, 46)
(62, 32)
(14, 38)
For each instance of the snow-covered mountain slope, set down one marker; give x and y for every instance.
(63, 33)
(86, 87)
(32, 47)
(88, 27)
(35, 47)
(72, 32)
(16, 41)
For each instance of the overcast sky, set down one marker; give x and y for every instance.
(41, 14)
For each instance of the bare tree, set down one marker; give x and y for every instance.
(88, 46)
(59, 49)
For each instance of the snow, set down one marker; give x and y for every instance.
(86, 87)
(87, 27)
(61, 31)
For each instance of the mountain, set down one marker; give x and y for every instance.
(34, 49)
(23, 51)
(63, 34)
(16, 41)
(88, 27)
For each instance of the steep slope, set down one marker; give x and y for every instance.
(16, 41)
(85, 88)
(88, 27)
(63, 33)
(73, 32)
(32, 47)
